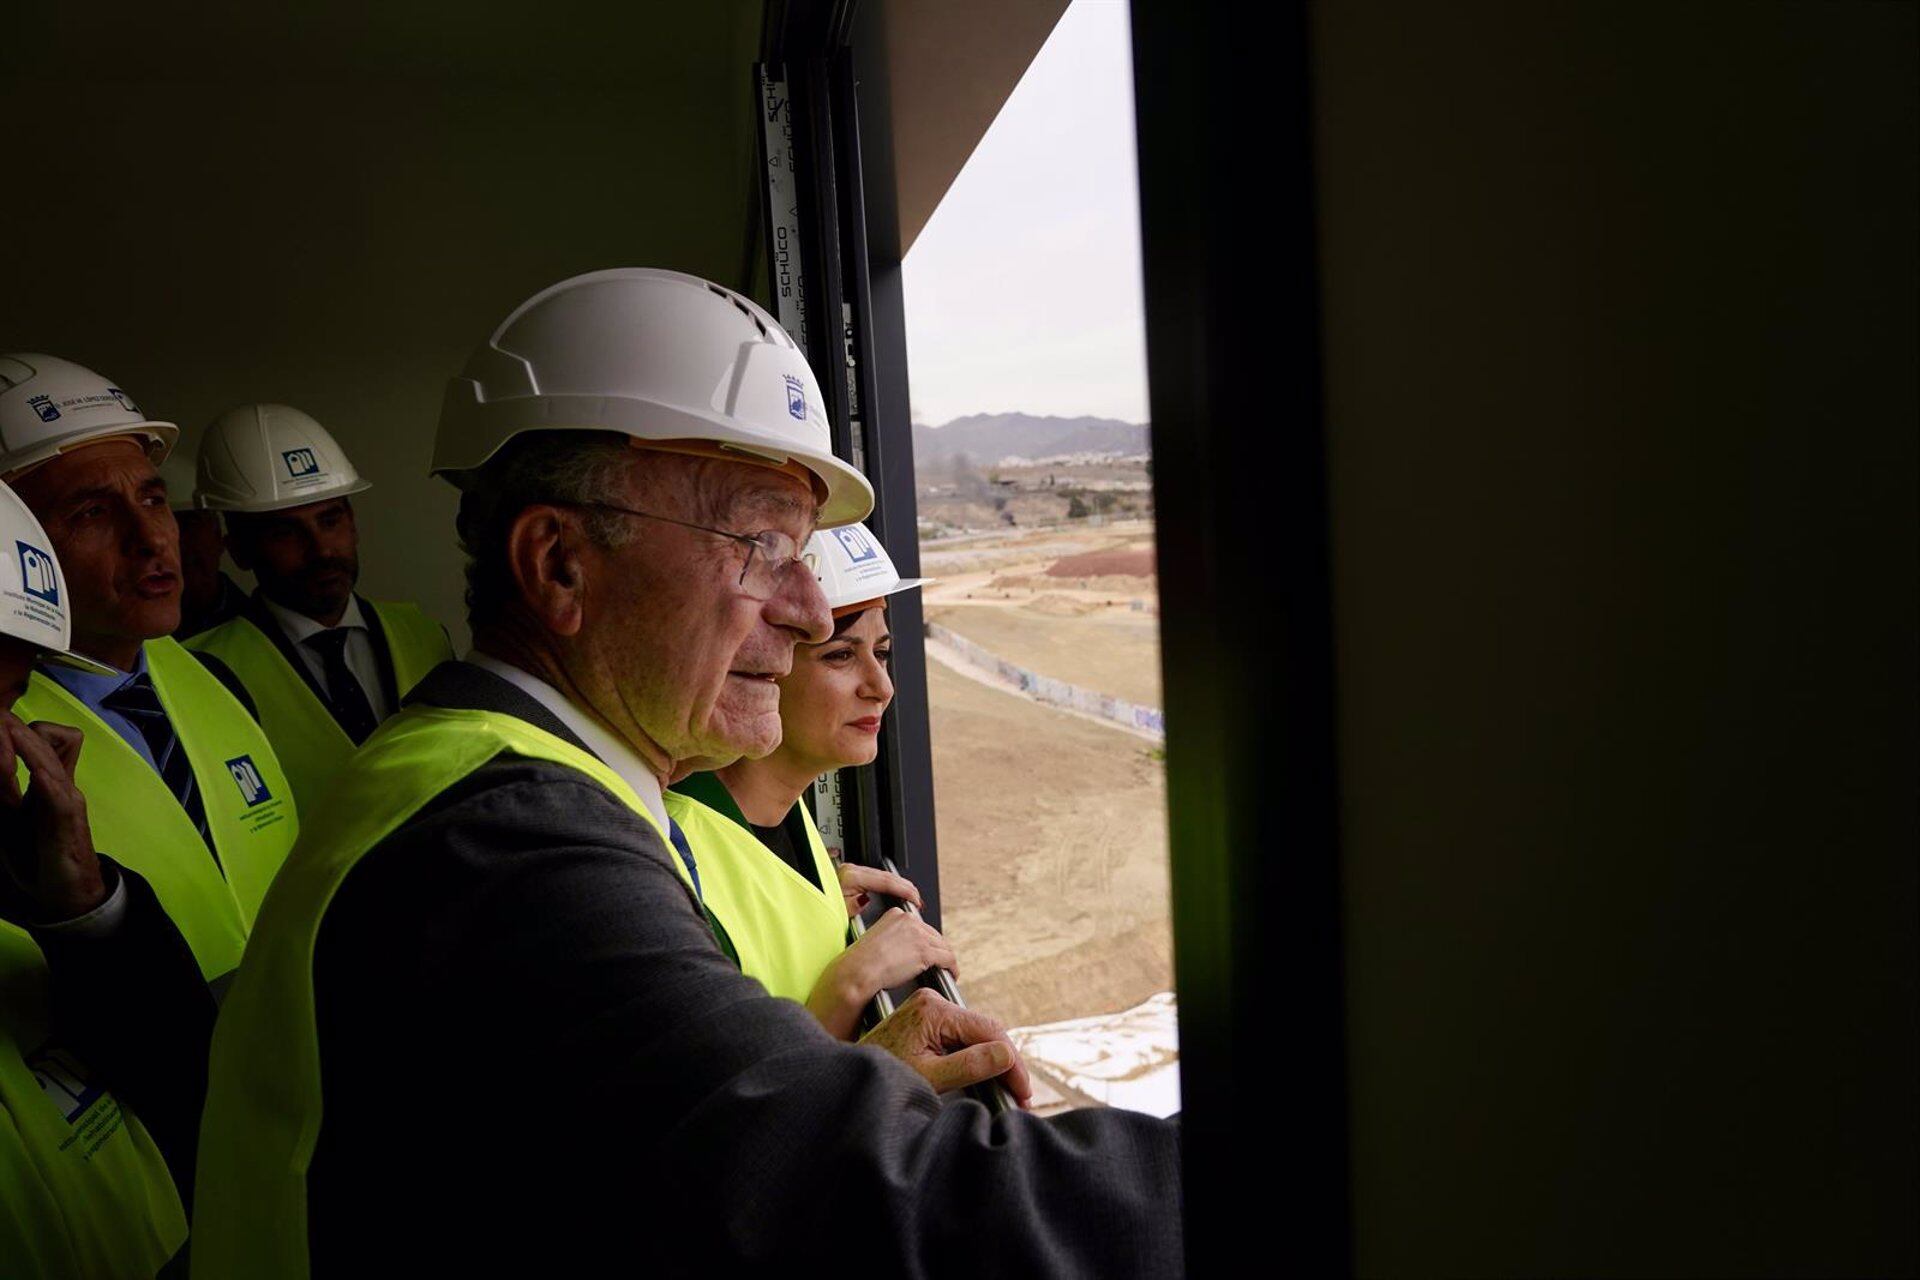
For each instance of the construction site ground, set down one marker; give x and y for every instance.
(1052, 826)
(1101, 632)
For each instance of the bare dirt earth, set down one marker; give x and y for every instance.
(1077, 605)
(1110, 652)
(1053, 855)
(1132, 562)
(1052, 826)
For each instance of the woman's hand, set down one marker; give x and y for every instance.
(44, 837)
(895, 950)
(857, 882)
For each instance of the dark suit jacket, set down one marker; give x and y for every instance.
(535, 1059)
(254, 610)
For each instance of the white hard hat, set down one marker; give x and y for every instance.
(178, 472)
(853, 567)
(655, 355)
(33, 590)
(49, 405)
(268, 457)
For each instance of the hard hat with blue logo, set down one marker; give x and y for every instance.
(668, 359)
(49, 405)
(853, 568)
(33, 590)
(268, 457)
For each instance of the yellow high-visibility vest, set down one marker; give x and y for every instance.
(139, 823)
(310, 743)
(84, 1193)
(784, 929)
(263, 1097)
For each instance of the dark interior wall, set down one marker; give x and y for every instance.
(1619, 322)
(335, 216)
(1533, 397)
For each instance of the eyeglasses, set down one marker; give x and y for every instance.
(771, 555)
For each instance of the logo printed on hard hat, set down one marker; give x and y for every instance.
(44, 406)
(253, 788)
(859, 544)
(796, 397)
(125, 403)
(301, 462)
(37, 576)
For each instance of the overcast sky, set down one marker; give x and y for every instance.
(1023, 291)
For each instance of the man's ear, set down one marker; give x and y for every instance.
(543, 554)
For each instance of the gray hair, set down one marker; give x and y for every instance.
(536, 467)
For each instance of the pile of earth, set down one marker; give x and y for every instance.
(1054, 605)
(1127, 562)
(1019, 582)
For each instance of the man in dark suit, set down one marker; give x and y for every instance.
(322, 665)
(101, 1001)
(484, 1025)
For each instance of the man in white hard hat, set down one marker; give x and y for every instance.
(323, 665)
(183, 786)
(100, 1001)
(208, 597)
(536, 1054)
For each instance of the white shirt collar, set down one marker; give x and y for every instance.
(613, 752)
(299, 627)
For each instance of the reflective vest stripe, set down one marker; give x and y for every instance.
(263, 1097)
(138, 822)
(785, 930)
(310, 744)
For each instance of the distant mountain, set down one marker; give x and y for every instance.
(986, 438)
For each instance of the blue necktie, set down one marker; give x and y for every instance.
(139, 702)
(686, 855)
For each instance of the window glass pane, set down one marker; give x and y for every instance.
(1025, 330)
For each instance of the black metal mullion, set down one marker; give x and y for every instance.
(905, 749)
(1242, 519)
(862, 832)
(856, 341)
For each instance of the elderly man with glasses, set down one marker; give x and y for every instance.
(485, 1025)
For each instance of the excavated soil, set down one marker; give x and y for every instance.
(1087, 642)
(1053, 861)
(1129, 562)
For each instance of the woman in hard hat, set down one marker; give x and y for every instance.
(769, 883)
(84, 1189)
